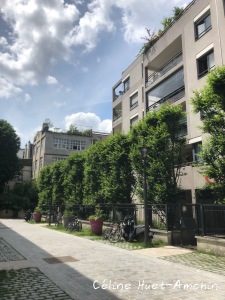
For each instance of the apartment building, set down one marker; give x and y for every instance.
(51, 146)
(176, 64)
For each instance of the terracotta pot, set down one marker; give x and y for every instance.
(96, 226)
(37, 217)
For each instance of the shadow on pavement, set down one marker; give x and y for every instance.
(27, 271)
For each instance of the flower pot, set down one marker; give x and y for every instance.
(96, 226)
(37, 217)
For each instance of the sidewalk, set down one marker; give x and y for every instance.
(61, 266)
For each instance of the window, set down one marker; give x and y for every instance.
(134, 101)
(126, 85)
(41, 163)
(42, 143)
(77, 145)
(54, 159)
(196, 148)
(133, 120)
(203, 25)
(171, 88)
(205, 63)
(60, 143)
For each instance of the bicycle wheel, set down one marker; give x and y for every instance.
(106, 233)
(114, 236)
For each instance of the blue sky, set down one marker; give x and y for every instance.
(60, 58)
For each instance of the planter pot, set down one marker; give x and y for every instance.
(96, 226)
(37, 217)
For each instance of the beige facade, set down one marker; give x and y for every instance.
(50, 146)
(176, 64)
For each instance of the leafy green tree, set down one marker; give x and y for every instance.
(28, 190)
(58, 172)
(210, 102)
(159, 131)
(73, 178)
(108, 176)
(117, 175)
(10, 145)
(45, 186)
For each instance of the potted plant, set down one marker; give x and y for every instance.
(37, 214)
(96, 220)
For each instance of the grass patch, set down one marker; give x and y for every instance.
(87, 233)
(209, 253)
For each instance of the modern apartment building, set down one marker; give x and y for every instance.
(176, 64)
(51, 146)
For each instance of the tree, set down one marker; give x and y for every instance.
(210, 102)
(159, 131)
(73, 178)
(10, 145)
(44, 183)
(108, 176)
(28, 190)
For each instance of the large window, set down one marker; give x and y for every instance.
(134, 101)
(168, 88)
(205, 63)
(77, 145)
(203, 25)
(133, 120)
(126, 85)
(196, 148)
(68, 144)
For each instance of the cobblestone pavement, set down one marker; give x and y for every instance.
(211, 263)
(7, 253)
(100, 271)
(27, 284)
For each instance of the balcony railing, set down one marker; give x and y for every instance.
(115, 118)
(169, 99)
(164, 69)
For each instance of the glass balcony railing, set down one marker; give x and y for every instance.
(163, 70)
(169, 99)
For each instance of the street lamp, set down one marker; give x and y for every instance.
(144, 152)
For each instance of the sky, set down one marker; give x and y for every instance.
(59, 59)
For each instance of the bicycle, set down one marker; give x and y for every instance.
(74, 224)
(106, 232)
(116, 232)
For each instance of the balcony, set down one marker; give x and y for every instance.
(169, 99)
(164, 69)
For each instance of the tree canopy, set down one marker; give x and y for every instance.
(210, 102)
(159, 131)
(10, 145)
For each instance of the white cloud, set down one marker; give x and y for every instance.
(88, 121)
(7, 89)
(51, 80)
(46, 32)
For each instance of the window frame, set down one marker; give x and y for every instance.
(199, 21)
(199, 59)
(134, 97)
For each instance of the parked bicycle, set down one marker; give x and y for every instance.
(74, 224)
(114, 232)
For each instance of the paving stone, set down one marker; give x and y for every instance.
(13, 285)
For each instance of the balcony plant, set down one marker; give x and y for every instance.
(37, 214)
(96, 220)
